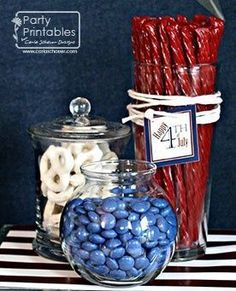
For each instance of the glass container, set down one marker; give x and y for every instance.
(120, 230)
(61, 147)
(187, 185)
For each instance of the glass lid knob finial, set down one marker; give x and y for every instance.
(80, 108)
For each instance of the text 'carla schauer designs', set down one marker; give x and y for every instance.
(47, 29)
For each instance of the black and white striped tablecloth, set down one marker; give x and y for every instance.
(21, 268)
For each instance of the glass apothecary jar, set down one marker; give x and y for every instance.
(61, 147)
(120, 230)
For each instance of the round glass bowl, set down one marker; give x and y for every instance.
(120, 230)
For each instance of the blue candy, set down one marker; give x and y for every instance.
(140, 206)
(117, 274)
(83, 219)
(94, 227)
(105, 250)
(142, 238)
(133, 216)
(108, 221)
(117, 253)
(166, 211)
(122, 226)
(73, 203)
(101, 270)
(109, 204)
(161, 236)
(89, 206)
(151, 244)
(163, 242)
(109, 233)
(126, 263)
(82, 234)
(87, 200)
(83, 254)
(171, 233)
(171, 219)
(136, 228)
(93, 216)
(159, 202)
(68, 226)
(78, 260)
(72, 215)
(148, 218)
(96, 238)
(154, 254)
(80, 210)
(88, 246)
(141, 262)
(134, 248)
(121, 204)
(162, 224)
(97, 200)
(154, 210)
(97, 257)
(134, 273)
(125, 237)
(121, 214)
(116, 190)
(112, 264)
(153, 233)
(129, 190)
(128, 199)
(113, 243)
(100, 211)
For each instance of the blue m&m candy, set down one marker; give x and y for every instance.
(109, 204)
(119, 238)
(108, 221)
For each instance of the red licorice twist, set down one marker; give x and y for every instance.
(162, 48)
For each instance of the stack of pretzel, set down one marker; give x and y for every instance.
(177, 56)
(61, 177)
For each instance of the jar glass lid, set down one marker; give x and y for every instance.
(79, 125)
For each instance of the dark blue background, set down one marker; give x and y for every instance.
(35, 88)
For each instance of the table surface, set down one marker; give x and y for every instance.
(21, 268)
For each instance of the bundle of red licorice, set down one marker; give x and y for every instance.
(177, 56)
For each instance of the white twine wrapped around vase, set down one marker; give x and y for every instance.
(136, 114)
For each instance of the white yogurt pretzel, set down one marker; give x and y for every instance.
(55, 166)
(51, 218)
(105, 148)
(56, 182)
(63, 161)
(44, 189)
(110, 156)
(89, 153)
(45, 162)
(107, 153)
(58, 197)
(57, 158)
(77, 180)
(75, 148)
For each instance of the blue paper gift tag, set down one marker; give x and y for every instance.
(171, 139)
